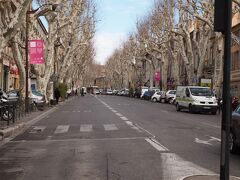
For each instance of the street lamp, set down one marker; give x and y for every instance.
(54, 7)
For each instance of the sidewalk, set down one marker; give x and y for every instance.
(19, 125)
(207, 177)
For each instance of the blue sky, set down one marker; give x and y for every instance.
(117, 18)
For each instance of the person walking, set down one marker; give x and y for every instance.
(57, 94)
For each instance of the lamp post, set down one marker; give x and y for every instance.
(54, 6)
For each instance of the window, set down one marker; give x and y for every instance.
(235, 61)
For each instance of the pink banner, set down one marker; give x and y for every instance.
(157, 76)
(36, 52)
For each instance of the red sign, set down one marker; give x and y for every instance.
(36, 52)
(157, 76)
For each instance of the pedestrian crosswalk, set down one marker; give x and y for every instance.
(83, 128)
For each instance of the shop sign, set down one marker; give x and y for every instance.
(36, 52)
(6, 62)
(14, 69)
(206, 82)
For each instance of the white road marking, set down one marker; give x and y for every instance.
(172, 167)
(110, 127)
(215, 139)
(156, 144)
(86, 128)
(202, 142)
(79, 111)
(114, 111)
(37, 129)
(136, 128)
(61, 129)
(124, 118)
(118, 114)
(87, 111)
(129, 123)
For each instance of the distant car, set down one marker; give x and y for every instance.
(143, 90)
(109, 92)
(96, 91)
(170, 94)
(148, 95)
(235, 131)
(115, 92)
(156, 96)
(38, 98)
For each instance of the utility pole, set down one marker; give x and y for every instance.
(223, 23)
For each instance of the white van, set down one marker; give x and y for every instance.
(196, 99)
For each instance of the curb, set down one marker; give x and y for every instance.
(11, 131)
(18, 128)
(207, 177)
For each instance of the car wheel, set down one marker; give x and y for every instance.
(232, 144)
(154, 99)
(191, 110)
(214, 112)
(178, 107)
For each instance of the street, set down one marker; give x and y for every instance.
(111, 138)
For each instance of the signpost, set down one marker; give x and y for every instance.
(223, 23)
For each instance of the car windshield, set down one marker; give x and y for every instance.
(201, 92)
(36, 93)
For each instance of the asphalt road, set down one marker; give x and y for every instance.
(115, 138)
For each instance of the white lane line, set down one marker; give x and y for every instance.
(156, 144)
(61, 129)
(86, 128)
(110, 127)
(136, 128)
(152, 135)
(129, 123)
(114, 111)
(124, 118)
(110, 108)
(119, 114)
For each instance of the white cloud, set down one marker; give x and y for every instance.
(105, 45)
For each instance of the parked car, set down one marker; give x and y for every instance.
(148, 95)
(156, 96)
(38, 98)
(235, 131)
(96, 91)
(143, 90)
(170, 94)
(115, 92)
(13, 95)
(196, 99)
(109, 92)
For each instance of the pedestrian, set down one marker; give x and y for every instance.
(57, 94)
(82, 92)
(219, 105)
(76, 92)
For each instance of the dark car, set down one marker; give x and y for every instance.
(235, 131)
(148, 95)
